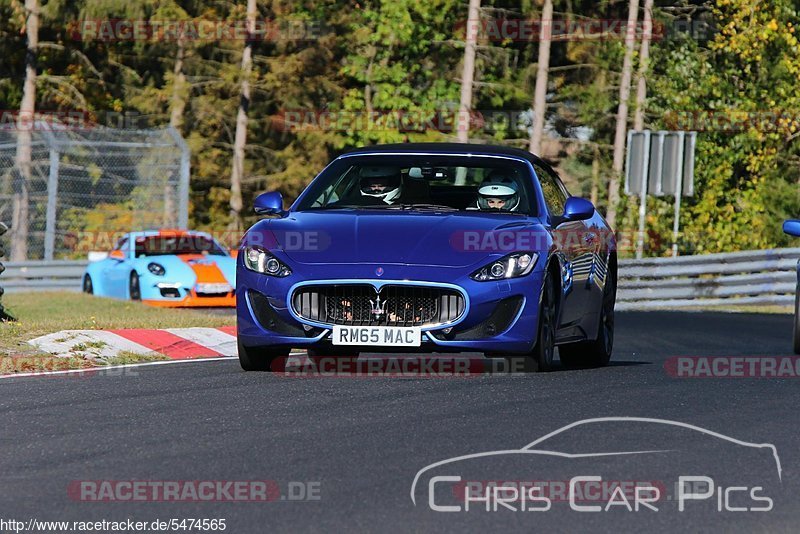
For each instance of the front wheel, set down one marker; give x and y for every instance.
(596, 353)
(540, 359)
(259, 358)
(134, 290)
(88, 287)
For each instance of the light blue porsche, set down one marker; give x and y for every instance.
(168, 268)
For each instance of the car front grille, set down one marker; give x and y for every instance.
(394, 305)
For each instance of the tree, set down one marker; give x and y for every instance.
(542, 70)
(644, 58)
(620, 134)
(237, 170)
(27, 109)
(468, 71)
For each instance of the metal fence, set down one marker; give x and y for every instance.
(739, 278)
(86, 181)
(58, 275)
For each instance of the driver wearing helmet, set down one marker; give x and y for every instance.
(498, 193)
(380, 183)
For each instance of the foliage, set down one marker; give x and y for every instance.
(372, 61)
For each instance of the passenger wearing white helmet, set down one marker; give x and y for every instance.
(498, 192)
(381, 183)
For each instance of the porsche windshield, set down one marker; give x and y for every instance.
(177, 245)
(412, 182)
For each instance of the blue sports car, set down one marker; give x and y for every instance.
(792, 227)
(429, 248)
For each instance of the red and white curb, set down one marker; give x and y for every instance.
(175, 343)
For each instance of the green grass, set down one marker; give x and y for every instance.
(44, 313)
(126, 358)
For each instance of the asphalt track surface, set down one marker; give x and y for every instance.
(363, 440)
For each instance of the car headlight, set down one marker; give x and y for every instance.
(261, 261)
(156, 269)
(511, 266)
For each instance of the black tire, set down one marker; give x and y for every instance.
(797, 322)
(134, 290)
(595, 353)
(540, 359)
(88, 287)
(259, 358)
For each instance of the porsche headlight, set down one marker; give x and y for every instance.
(261, 261)
(156, 268)
(511, 266)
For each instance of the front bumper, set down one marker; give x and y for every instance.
(173, 295)
(194, 301)
(500, 317)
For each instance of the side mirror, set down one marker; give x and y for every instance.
(792, 227)
(577, 209)
(117, 255)
(269, 204)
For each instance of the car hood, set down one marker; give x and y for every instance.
(406, 238)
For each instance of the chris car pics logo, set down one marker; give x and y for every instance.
(672, 466)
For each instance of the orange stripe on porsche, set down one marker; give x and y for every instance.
(207, 273)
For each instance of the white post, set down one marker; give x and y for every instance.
(52, 199)
(643, 195)
(183, 189)
(184, 177)
(678, 192)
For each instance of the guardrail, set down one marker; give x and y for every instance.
(730, 279)
(59, 275)
(737, 278)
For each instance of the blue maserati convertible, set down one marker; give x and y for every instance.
(429, 248)
(792, 227)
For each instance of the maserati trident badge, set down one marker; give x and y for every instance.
(377, 307)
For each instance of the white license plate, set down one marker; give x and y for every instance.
(384, 336)
(213, 289)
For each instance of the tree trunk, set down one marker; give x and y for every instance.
(178, 103)
(468, 72)
(240, 139)
(622, 114)
(602, 86)
(595, 191)
(542, 69)
(644, 58)
(178, 107)
(26, 123)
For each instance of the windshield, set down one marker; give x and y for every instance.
(423, 182)
(180, 244)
